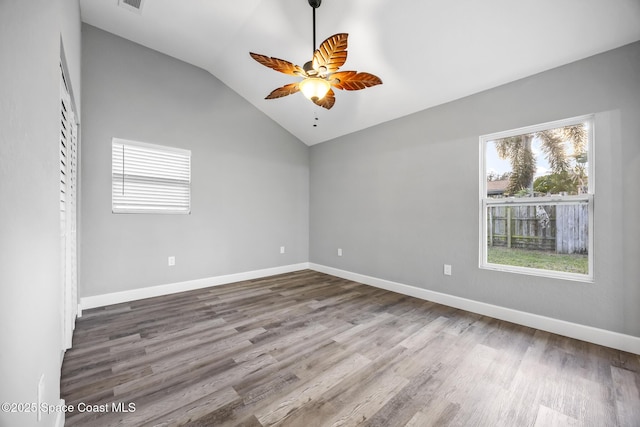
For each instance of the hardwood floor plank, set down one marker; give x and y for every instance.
(175, 409)
(627, 396)
(276, 413)
(194, 410)
(425, 333)
(308, 349)
(439, 412)
(547, 417)
(354, 404)
(361, 329)
(371, 387)
(202, 361)
(277, 340)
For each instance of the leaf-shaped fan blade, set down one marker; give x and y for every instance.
(284, 91)
(331, 54)
(279, 64)
(352, 80)
(327, 101)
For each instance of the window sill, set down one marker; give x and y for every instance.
(561, 275)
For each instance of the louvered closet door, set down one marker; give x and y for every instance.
(68, 210)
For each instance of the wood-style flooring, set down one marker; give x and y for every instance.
(309, 349)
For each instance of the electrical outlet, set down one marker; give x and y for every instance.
(172, 261)
(40, 396)
(281, 249)
(339, 251)
(447, 270)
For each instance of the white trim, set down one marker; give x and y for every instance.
(562, 275)
(150, 146)
(539, 127)
(545, 200)
(573, 330)
(60, 414)
(172, 288)
(485, 201)
(69, 161)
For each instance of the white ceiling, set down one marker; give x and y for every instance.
(426, 52)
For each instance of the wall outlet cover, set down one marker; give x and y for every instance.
(447, 270)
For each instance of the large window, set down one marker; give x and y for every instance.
(149, 178)
(536, 200)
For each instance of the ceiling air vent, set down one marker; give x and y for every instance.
(132, 5)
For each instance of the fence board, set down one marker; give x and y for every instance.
(572, 222)
(561, 228)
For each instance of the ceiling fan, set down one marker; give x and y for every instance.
(321, 73)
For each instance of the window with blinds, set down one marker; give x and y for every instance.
(149, 178)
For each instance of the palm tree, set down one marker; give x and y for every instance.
(517, 149)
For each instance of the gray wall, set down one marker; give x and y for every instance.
(30, 284)
(250, 178)
(402, 198)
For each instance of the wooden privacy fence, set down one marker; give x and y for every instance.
(563, 229)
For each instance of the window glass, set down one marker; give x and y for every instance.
(537, 199)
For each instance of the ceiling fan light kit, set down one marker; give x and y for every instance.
(320, 74)
(314, 88)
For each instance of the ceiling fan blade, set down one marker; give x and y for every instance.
(352, 80)
(331, 54)
(284, 91)
(277, 64)
(327, 101)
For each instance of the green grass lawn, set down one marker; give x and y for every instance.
(573, 263)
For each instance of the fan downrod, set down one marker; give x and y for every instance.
(314, 5)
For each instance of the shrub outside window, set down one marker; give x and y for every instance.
(536, 200)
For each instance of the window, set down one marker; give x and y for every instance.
(148, 178)
(536, 198)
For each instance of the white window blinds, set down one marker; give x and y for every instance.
(149, 178)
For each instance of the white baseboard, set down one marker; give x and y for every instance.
(172, 288)
(573, 330)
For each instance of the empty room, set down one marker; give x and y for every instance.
(319, 213)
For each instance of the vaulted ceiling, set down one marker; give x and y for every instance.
(427, 52)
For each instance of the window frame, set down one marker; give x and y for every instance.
(485, 202)
(154, 205)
